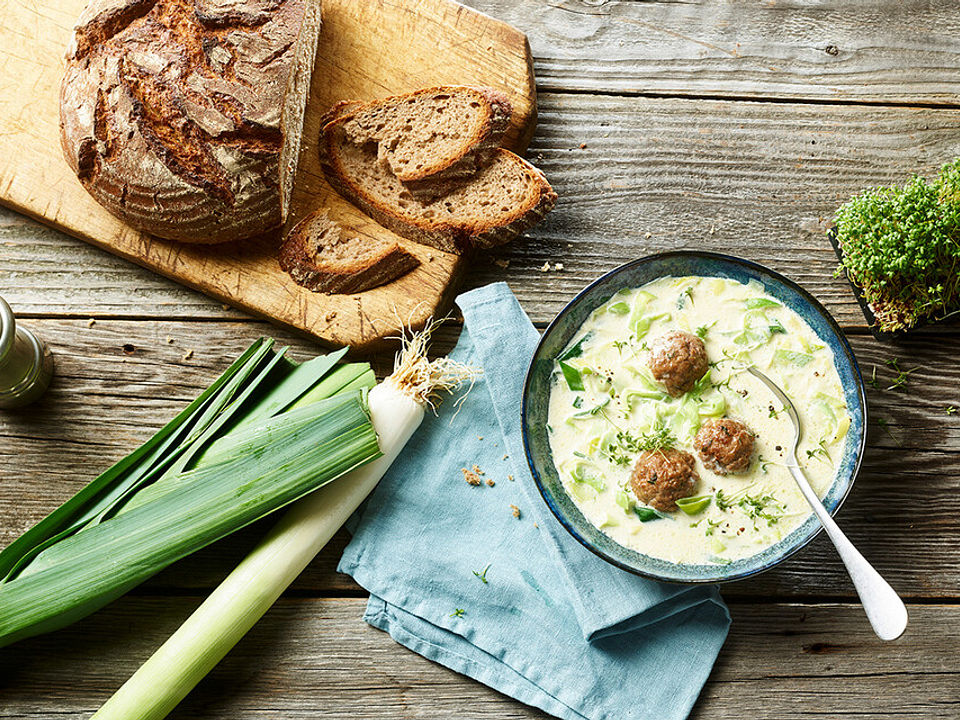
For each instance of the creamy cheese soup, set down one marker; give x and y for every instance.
(608, 409)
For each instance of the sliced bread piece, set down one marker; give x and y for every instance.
(431, 138)
(493, 206)
(318, 256)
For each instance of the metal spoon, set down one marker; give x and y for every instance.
(885, 610)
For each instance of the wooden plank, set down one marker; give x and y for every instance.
(750, 179)
(367, 50)
(119, 381)
(315, 658)
(883, 51)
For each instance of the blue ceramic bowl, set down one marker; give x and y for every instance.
(536, 397)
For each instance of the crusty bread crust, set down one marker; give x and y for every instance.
(304, 263)
(173, 112)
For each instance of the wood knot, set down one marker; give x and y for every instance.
(831, 50)
(822, 648)
(129, 349)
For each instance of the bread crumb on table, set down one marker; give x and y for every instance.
(510, 478)
(188, 354)
(516, 511)
(583, 146)
(169, 340)
(545, 267)
(91, 322)
(330, 316)
(490, 482)
(470, 476)
(558, 266)
(477, 470)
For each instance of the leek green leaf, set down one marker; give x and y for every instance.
(89, 502)
(760, 302)
(646, 514)
(576, 350)
(572, 376)
(694, 505)
(794, 358)
(86, 571)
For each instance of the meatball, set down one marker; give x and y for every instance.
(725, 446)
(661, 477)
(678, 360)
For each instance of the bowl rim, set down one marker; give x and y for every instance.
(724, 258)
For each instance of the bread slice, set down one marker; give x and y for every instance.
(184, 117)
(317, 256)
(430, 138)
(495, 204)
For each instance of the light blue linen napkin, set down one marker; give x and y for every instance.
(517, 603)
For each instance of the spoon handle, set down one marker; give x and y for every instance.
(885, 610)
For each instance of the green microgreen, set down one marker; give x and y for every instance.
(458, 613)
(702, 330)
(762, 507)
(902, 376)
(901, 245)
(885, 426)
(711, 526)
(482, 575)
(723, 502)
(820, 451)
(660, 438)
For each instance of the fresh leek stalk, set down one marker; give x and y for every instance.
(241, 450)
(397, 407)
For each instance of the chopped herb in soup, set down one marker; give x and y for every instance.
(663, 440)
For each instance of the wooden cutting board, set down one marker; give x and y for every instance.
(368, 49)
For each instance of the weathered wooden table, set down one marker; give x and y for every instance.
(735, 126)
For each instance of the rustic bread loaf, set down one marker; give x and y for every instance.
(183, 117)
(318, 256)
(500, 196)
(430, 138)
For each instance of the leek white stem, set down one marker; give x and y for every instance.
(397, 409)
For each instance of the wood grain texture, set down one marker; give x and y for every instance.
(747, 178)
(366, 50)
(887, 51)
(755, 179)
(315, 658)
(899, 512)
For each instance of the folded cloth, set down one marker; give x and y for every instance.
(483, 579)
